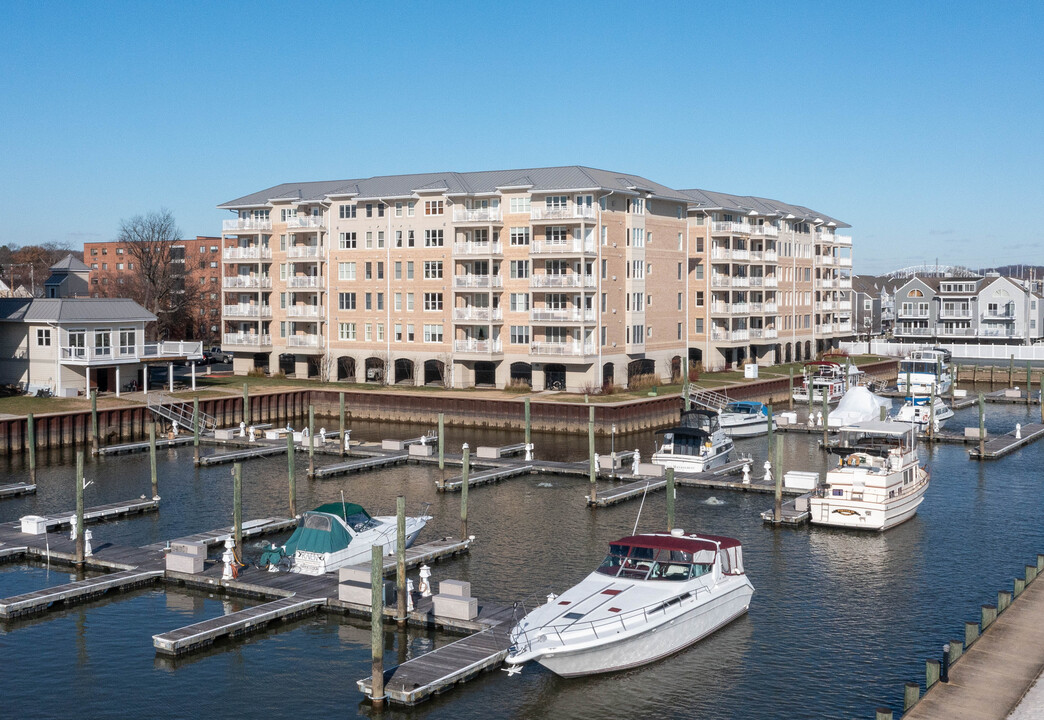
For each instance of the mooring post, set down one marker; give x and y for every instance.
(442, 441)
(152, 460)
(1003, 600)
(971, 632)
(670, 499)
(94, 421)
(344, 445)
(826, 413)
(529, 427)
(592, 470)
(246, 404)
(931, 414)
(988, 614)
(464, 493)
(79, 508)
(882, 714)
(911, 694)
(237, 505)
(377, 624)
(400, 561)
(30, 426)
(1029, 381)
(932, 671)
(311, 440)
(770, 436)
(1011, 371)
(982, 425)
(290, 473)
(685, 394)
(790, 388)
(195, 430)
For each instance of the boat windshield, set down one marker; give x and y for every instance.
(361, 521)
(741, 408)
(637, 563)
(911, 366)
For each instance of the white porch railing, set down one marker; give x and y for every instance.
(572, 280)
(572, 247)
(477, 346)
(254, 252)
(132, 353)
(307, 341)
(571, 315)
(305, 222)
(246, 281)
(477, 281)
(488, 214)
(247, 339)
(731, 228)
(478, 248)
(305, 281)
(477, 314)
(245, 225)
(570, 212)
(304, 251)
(249, 311)
(304, 311)
(569, 349)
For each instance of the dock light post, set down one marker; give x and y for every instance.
(344, 445)
(944, 666)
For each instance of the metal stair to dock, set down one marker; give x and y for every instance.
(168, 408)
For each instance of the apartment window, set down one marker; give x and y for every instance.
(368, 301)
(432, 333)
(639, 270)
(409, 269)
(409, 302)
(605, 268)
(605, 333)
(699, 271)
(368, 332)
(398, 302)
(94, 251)
(105, 251)
(519, 236)
(94, 266)
(398, 270)
(432, 269)
(638, 237)
(347, 241)
(679, 271)
(380, 301)
(409, 333)
(519, 205)
(519, 302)
(369, 240)
(105, 266)
(380, 271)
(128, 339)
(43, 337)
(433, 238)
(282, 244)
(432, 301)
(411, 239)
(348, 213)
(605, 301)
(433, 207)
(380, 326)
(519, 268)
(557, 235)
(638, 334)
(398, 238)
(679, 301)
(556, 335)
(214, 249)
(699, 298)
(398, 326)
(380, 237)
(369, 210)
(411, 208)
(282, 328)
(639, 302)
(604, 234)
(398, 213)
(282, 300)
(282, 271)
(368, 271)
(346, 331)
(346, 301)
(556, 202)
(519, 334)
(119, 266)
(213, 264)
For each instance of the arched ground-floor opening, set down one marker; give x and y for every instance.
(435, 373)
(404, 371)
(695, 364)
(346, 368)
(788, 353)
(676, 369)
(608, 375)
(375, 370)
(554, 377)
(261, 362)
(521, 374)
(808, 349)
(288, 363)
(485, 374)
(640, 371)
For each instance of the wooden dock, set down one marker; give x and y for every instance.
(97, 514)
(16, 489)
(360, 465)
(713, 479)
(1004, 444)
(80, 591)
(251, 528)
(143, 446)
(199, 635)
(239, 455)
(12, 552)
(789, 515)
(487, 477)
(605, 498)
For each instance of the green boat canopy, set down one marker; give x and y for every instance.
(320, 533)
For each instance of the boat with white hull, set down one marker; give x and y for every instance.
(654, 595)
(923, 370)
(697, 445)
(820, 377)
(745, 419)
(918, 411)
(877, 483)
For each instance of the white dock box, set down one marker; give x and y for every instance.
(750, 371)
(487, 452)
(189, 547)
(185, 563)
(786, 418)
(34, 525)
(225, 433)
(455, 607)
(798, 480)
(392, 444)
(353, 573)
(460, 588)
(421, 451)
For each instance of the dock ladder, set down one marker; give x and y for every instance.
(708, 398)
(168, 408)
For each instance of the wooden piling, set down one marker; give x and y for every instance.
(790, 388)
(311, 440)
(882, 714)
(592, 470)
(931, 412)
(246, 404)
(1011, 371)
(80, 550)
(971, 632)
(911, 694)
(956, 650)
(989, 614)
(1003, 600)
(400, 561)
(884, 413)
(1040, 562)
(464, 493)
(377, 624)
(1020, 585)
(195, 430)
(931, 673)
(670, 499)
(442, 440)
(1029, 381)
(152, 460)
(94, 421)
(344, 445)
(826, 415)
(685, 394)
(1031, 573)
(982, 425)
(291, 474)
(528, 421)
(237, 505)
(30, 427)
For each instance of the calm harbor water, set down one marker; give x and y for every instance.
(839, 620)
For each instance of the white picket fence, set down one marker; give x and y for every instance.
(961, 351)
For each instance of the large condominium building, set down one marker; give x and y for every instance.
(566, 277)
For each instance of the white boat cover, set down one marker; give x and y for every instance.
(858, 405)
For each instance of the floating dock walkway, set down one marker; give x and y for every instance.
(79, 591)
(789, 514)
(360, 465)
(143, 446)
(1004, 444)
(251, 528)
(199, 635)
(238, 455)
(16, 489)
(713, 479)
(487, 477)
(97, 514)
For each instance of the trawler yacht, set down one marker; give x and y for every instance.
(922, 370)
(698, 444)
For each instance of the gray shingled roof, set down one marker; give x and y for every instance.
(69, 263)
(69, 310)
(746, 204)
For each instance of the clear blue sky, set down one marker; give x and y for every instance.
(918, 123)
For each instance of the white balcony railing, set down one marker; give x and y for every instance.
(757, 281)
(246, 310)
(131, 353)
(570, 212)
(478, 346)
(771, 332)
(572, 247)
(826, 283)
(477, 314)
(305, 341)
(732, 228)
(254, 252)
(912, 331)
(955, 313)
(771, 281)
(824, 306)
(825, 259)
(843, 239)
(741, 281)
(825, 329)
(486, 214)
(305, 222)
(771, 307)
(843, 327)
(771, 256)
(844, 261)
(304, 281)
(247, 339)
(572, 280)
(245, 225)
(567, 315)
(304, 311)
(572, 349)
(765, 230)
(845, 283)
(478, 248)
(304, 251)
(477, 281)
(246, 282)
(730, 335)
(1006, 314)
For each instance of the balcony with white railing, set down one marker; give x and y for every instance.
(164, 350)
(771, 281)
(757, 281)
(304, 311)
(912, 331)
(756, 308)
(771, 256)
(961, 313)
(304, 341)
(254, 252)
(770, 308)
(477, 314)
(570, 247)
(844, 261)
(825, 259)
(1002, 315)
(478, 248)
(843, 327)
(549, 315)
(845, 283)
(478, 347)
(572, 280)
(304, 251)
(765, 230)
(305, 281)
(246, 282)
(771, 333)
(244, 225)
(570, 213)
(566, 349)
(842, 239)
(730, 228)
(478, 281)
(305, 222)
(720, 335)
(956, 331)
(826, 283)
(740, 281)
(246, 310)
(477, 215)
(825, 329)
(825, 306)
(721, 308)
(249, 340)
(997, 332)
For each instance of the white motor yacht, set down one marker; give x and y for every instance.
(877, 483)
(698, 444)
(653, 595)
(822, 376)
(918, 411)
(745, 419)
(922, 370)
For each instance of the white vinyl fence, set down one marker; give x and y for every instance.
(961, 351)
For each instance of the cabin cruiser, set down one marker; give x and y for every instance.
(877, 483)
(822, 376)
(918, 410)
(698, 444)
(857, 405)
(653, 595)
(335, 535)
(922, 370)
(745, 419)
